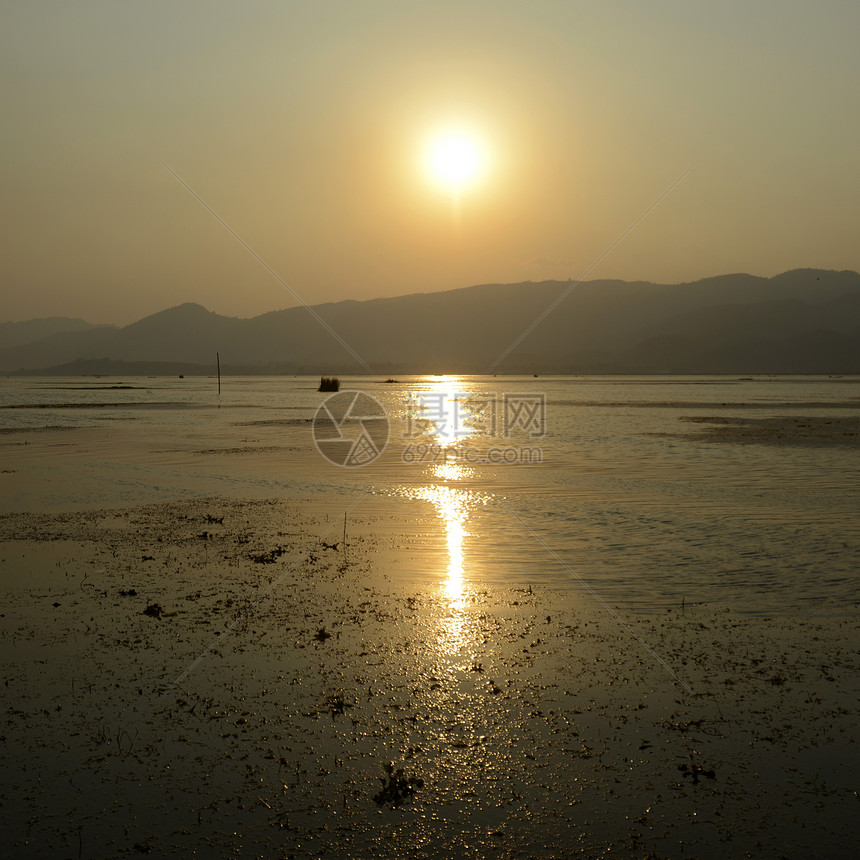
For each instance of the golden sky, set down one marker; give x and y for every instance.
(305, 127)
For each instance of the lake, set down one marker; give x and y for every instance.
(605, 485)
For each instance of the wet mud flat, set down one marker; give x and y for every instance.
(802, 431)
(220, 678)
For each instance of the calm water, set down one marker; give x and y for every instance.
(601, 491)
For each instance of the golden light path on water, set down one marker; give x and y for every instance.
(452, 505)
(440, 410)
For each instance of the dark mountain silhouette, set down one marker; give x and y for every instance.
(807, 320)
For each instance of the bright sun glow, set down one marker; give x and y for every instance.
(455, 159)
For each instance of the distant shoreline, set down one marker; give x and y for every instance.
(129, 370)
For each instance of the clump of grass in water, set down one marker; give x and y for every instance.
(397, 787)
(337, 704)
(329, 383)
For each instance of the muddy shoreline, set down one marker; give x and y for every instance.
(802, 431)
(223, 678)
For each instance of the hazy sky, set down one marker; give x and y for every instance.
(304, 125)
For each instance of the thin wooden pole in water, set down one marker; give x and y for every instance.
(218, 362)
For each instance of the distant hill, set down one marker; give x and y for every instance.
(118, 367)
(19, 333)
(803, 321)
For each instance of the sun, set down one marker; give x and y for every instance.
(455, 159)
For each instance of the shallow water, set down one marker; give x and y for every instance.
(623, 503)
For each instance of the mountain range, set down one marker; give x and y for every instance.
(802, 321)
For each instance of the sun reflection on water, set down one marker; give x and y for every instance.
(444, 419)
(451, 471)
(449, 410)
(452, 506)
